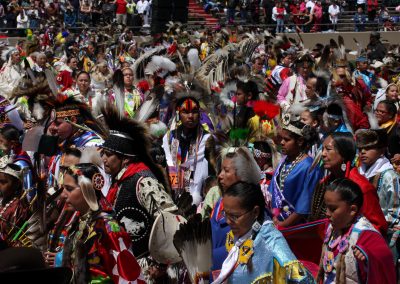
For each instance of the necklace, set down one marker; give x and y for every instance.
(285, 171)
(6, 206)
(339, 243)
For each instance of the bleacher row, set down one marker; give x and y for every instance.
(198, 18)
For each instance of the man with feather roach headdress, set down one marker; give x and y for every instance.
(189, 146)
(137, 193)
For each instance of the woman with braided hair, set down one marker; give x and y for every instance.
(338, 153)
(353, 250)
(124, 94)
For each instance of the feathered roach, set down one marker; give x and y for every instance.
(138, 132)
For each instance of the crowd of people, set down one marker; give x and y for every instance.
(37, 14)
(214, 156)
(304, 15)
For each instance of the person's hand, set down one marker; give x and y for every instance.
(396, 159)
(358, 254)
(49, 258)
(276, 221)
(29, 124)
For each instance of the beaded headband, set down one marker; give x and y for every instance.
(290, 127)
(67, 113)
(8, 168)
(259, 154)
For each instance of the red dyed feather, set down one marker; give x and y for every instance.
(171, 50)
(265, 109)
(143, 86)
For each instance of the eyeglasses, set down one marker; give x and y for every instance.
(380, 111)
(233, 218)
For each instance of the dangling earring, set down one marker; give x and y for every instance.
(256, 226)
(177, 116)
(343, 167)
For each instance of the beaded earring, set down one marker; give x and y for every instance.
(256, 226)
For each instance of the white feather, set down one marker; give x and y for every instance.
(297, 109)
(224, 96)
(383, 83)
(37, 111)
(151, 68)
(5, 55)
(168, 64)
(157, 60)
(90, 155)
(146, 109)
(196, 255)
(14, 117)
(163, 63)
(158, 129)
(193, 58)
(373, 122)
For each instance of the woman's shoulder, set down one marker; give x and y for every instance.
(270, 234)
(361, 180)
(364, 225)
(270, 237)
(308, 160)
(305, 164)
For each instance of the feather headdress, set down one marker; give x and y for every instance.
(193, 242)
(67, 107)
(129, 138)
(133, 129)
(194, 60)
(140, 64)
(6, 53)
(159, 64)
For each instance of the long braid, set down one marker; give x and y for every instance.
(341, 270)
(321, 272)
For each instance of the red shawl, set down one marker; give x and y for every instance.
(371, 208)
(132, 169)
(379, 259)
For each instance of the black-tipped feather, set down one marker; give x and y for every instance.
(193, 242)
(185, 205)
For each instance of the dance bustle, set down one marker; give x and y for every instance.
(193, 242)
